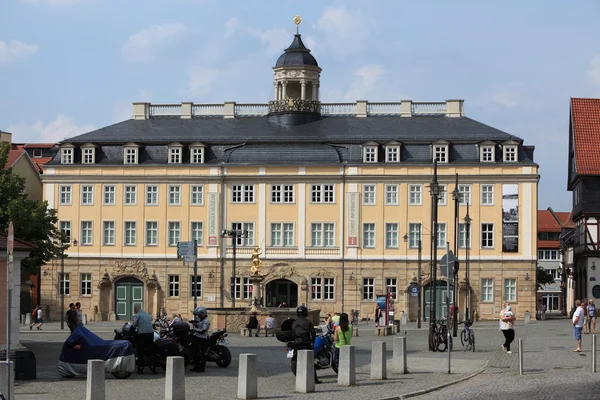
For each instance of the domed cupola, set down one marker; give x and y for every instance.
(296, 81)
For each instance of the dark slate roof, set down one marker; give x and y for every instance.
(296, 55)
(329, 140)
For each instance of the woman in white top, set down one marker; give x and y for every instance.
(507, 318)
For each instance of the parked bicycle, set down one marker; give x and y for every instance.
(467, 337)
(355, 319)
(439, 340)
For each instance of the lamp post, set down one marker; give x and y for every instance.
(467, 263)
(63, 245)
(434, 190)
(418, 281)
(456, 198)
(234, 234)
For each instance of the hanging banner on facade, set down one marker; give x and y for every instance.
(353, 218)
(510, 218)
(213, 219)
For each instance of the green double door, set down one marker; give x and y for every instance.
(129, 292)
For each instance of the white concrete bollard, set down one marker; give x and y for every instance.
(399, 360)
(347, 367)
(305, 371)
(247, 378)
(84, 319)
(378, 361)
(28, 319)
(95, 388)
(4, 382)
(175, 379)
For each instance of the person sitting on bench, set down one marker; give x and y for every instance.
(253, 324)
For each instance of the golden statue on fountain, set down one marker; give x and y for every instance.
(256, 261)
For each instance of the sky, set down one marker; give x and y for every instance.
(71, 66)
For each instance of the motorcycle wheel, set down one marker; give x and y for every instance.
(334, 366)
(293, 364)
(224, 356)
(121, 374)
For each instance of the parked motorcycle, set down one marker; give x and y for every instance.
(215, 351)
(324, 348)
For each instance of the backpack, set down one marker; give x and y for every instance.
(34, 312)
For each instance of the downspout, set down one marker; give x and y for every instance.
(343, 241)
(222, 246)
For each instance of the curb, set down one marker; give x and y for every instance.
(438, 387)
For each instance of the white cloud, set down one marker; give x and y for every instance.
(594, 70)
(61, 128)
(15, 50)
(231, 27)
(365, 80)
(274, 40)
(344, 31)
(148, 42)
(58, 3)
(510, 95)
(201, 80)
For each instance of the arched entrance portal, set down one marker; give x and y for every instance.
(281, 290)
(443, 294)
(129, 292)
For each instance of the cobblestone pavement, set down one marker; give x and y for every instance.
(426, 369)
(551, 369)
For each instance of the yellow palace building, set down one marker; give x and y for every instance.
(335, 195)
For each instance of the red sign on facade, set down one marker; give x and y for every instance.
(352, 241)
(212, 240)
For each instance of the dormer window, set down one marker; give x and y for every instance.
(37, 153)
(487, 153)
(197, 153)
(175, 155)
(66, 155)
(370, 153)
(131, 154)
(88, 154)
(392, 152)
(440, 153)
(509, 153)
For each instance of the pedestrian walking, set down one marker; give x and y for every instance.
(377, 315)
(584, 305)
(37, 317)
(544, 308)
(578, 319)
(342, 335)
(71, 317)
(507, 321)
(79, 313)
(145, 348)
(591, 311)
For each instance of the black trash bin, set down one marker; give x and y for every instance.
(25, 365)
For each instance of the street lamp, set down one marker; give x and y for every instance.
(234, 234)
(62, 245)
(405, 237)
(467, 264)
(456, 198)
(434, 190)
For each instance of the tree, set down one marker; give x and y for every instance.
(543, 277)
(33, 220)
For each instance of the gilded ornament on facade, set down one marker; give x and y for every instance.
(256, 261)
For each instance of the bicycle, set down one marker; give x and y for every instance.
(467, 336)
(354, 320)
(438, 336)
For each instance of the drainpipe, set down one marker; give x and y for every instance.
(222, 246)
(343, 241)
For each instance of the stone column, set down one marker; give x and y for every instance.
(303, 89)
(318, 91)
(314, 90)
(276, 85)
(284, 90)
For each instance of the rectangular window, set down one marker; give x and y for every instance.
(198, 232)
(108, 233)
(370, 154)
(174, 195)
(175, 155)
(392, 154)
(244, 226)
(64, 284)
(110, 195)
(510, 290)
(510, 153)
(87, 194)
(131, 155)
(440, 153)
(368, 288)
(487, 290)
(368, 235)
(414, 194)
(391, 235)
(66, 156)
(391, 287)
(316, 288)
(464, 194)
(288, 235)
(322, 235)
(276, 234)
(242, 193)
(282, 193)
(241, 288)
(369, 195)
(414, 235)
(391, 195)
(88, 156)
(151, 233)
(130, 194)
(65, 230)
(487, 236)
(442, 196)
(65, 195)
(173, 285)
(86, 233)
(197, 155)
(487, 154)
(441, 235)
(130, 233)
(174, 233)
(86, 284)
(464, 237)
(487, 195)
(328, 288)
(547, 255)
(152, 195)
(196, 286)
(197, 193)
(322, 194)
(37, 153)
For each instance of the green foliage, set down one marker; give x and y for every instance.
(543, 277)
(33, 221)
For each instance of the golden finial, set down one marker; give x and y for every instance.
(297, 21)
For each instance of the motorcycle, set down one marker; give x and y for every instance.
(216, 346)
(323, 347)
